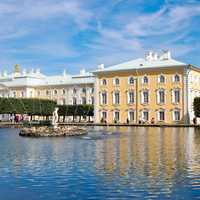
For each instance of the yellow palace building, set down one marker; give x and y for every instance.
(154, 89)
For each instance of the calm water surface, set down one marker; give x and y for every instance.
(108, 163)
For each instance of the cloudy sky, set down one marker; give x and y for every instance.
(73, 34)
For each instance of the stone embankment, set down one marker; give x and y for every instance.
(46, 131)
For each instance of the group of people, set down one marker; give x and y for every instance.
(16, 118)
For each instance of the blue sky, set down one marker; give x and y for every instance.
(73, 34)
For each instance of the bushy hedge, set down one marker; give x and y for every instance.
(76, 110)
(42, 107)
(29, 106)
(196, 106)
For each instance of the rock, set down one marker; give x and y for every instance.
(45, 131)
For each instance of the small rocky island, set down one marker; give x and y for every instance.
(45, 131)
(52, 131)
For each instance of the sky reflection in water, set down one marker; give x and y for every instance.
(108, 163)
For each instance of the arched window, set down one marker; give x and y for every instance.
(117, 81)
(145, 79)
(162, 79)
(74, 91)
(131, 80)
(176, 78)
(104, 82)
(55, 92)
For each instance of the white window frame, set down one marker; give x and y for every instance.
(128, 96)
(129, 116)
(104, 111)
(158, 96)
(158, 115)
(114, 99)
(143, 111)
(101, 97)
(143, 82)
(102, 81)
(142, 97)
(173, 95)
(173, 113)
(114, 116)
(129, 78)
(159, 79)
(114, 81)
(174, 81)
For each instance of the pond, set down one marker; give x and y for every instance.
(108, 163)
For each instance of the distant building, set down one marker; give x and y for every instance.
(156, 89)
(65, 89)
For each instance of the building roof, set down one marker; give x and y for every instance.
(151, 60)
(37, 79)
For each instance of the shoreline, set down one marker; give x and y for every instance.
(20, 125)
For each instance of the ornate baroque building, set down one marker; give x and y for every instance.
(65, 88)
(155, 88)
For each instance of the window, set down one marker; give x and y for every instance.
(131, 80)
(22, 94)
(116, 81)
(55, 92)
(145, 115)
(104, 82)
(161, 115)
(104, 98)
(63, 102)
(116, 98)
(48, 92)
(116, 116)
(64, 92)
(176, 116)
(131, 116)
(161, 96)
(176, 78)
(38, 93)
(161, 79)
(84, 90)
(145, 80)
(176, 96)
(92, 90)
(104, 115)
(145, 96)
(83, 100)
(130, 97)
(74, 91)
(74, 101)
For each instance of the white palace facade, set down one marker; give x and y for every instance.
(65, 89)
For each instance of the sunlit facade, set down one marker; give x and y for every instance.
(155, 89)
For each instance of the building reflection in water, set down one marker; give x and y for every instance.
(153, 160)
(157, 154)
